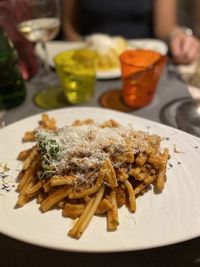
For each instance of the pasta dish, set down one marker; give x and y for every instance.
(108, 49)
(89, 169)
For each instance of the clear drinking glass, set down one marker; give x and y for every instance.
(39, 22)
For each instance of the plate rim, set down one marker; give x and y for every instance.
(145, 120)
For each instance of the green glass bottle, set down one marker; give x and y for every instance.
(12, 87)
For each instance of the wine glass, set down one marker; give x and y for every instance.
(184, 112)
(39, 22)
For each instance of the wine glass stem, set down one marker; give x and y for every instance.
(46, 58)
(2, 122)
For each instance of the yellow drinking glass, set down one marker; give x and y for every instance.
(76, 71)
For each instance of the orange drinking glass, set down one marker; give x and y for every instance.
(141, 71)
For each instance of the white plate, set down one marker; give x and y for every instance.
(152, 44)
(54, 47)
(109, 74)
(160, 219)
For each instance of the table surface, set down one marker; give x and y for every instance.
(16, 253)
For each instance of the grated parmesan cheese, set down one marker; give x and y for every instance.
(6, 181)
(81, 150)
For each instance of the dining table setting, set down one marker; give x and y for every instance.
(164, 230)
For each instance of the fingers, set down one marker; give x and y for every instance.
(185, 49)
(191, 48)
(176, 46)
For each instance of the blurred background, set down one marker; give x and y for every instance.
(189, 15)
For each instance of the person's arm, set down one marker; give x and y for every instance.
(165, 17)
(69, 13)
(184, 48)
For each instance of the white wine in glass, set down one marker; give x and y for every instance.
(40, 30)
(39, 22)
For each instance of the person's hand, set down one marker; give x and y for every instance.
(184, 48)
(27, 60)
